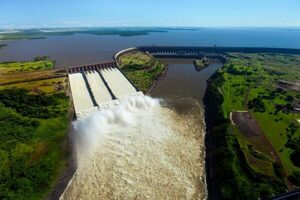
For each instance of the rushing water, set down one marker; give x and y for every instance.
(145, 148)
(139, 150)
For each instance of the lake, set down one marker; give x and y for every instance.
(81, 49)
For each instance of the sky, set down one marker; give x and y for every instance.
(187, 13)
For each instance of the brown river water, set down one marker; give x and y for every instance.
(147, 147)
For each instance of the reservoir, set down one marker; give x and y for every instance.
(81, 49)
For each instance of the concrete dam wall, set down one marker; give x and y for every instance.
(94, 88)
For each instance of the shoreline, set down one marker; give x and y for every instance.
(213, 191)
(71, 165)
(70, 170)
(155, 83)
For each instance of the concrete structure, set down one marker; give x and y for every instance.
(196, 52)
(96, 86)
(117, 82)
(80, 93)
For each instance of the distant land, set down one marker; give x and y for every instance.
(42, 33)
(26, 34)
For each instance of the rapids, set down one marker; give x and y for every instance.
(139, 149)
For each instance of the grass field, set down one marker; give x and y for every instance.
(33, 131)
(13, 67)
(142, 69)
(257, 75)
(48, 86)
(40, 68)
(248, 82)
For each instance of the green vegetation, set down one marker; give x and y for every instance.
(2, 45)
(47, 86)
(249, 82)
(33, 127)
(24, 74)
(42, 34)
(142, 69)
(201, 63)
(39, 63)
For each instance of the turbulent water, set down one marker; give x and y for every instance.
(139, 149)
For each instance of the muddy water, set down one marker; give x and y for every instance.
(148, 148)
(139, 150)
(183, 86)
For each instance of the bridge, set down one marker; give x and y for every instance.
(97, 86)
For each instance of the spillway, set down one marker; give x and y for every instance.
(96, 88)
(81, 97)
(127, 144)
(119, 85)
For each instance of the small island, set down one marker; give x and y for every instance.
(142, 69)
(201, 63)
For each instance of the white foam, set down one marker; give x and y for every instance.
(137, 149)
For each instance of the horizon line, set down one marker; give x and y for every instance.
(25, 27)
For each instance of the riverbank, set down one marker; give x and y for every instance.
(154, 84)
(71, 166)
(239, 163)
(142, 69)
(34, 146)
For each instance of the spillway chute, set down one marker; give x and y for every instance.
(98, 88)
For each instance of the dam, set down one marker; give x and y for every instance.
(126, 143)
(95, 86)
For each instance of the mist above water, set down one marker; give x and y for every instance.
(139, 149)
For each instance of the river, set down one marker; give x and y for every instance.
(170, 148)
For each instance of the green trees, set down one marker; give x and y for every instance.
(142, 69)
(41, 58)
(30, 142)
(295, 178)
(257, 105)
(35, 106)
